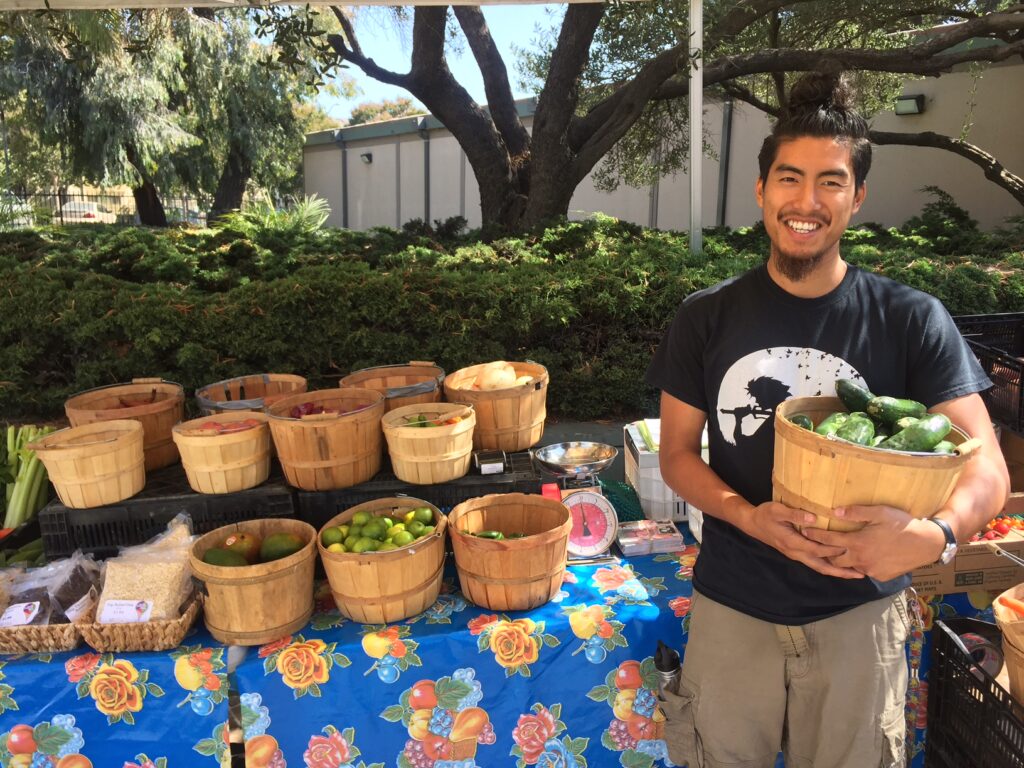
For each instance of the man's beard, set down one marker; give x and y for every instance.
(795, 268)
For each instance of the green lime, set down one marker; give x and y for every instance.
(427, 530)
(402, 538)
(395, 529)
(375, 531)
(424, 514)
(333, 535)
(387, 546)
(355, 530)
(366, 545)
(385, 520)
(361, 518)
(350, 541)
(345, 530)
(415, 528)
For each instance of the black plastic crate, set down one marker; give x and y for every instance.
(998, 343)
(317, 507)
(101, 530)
(973, 722)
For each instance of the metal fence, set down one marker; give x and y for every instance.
(60, 208)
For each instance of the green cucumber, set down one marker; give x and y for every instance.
(891, 409)
(802, 420)
(495, 535)
(921, 436)
(832, 423)
(944, 446)
(857, 429)
(854, 396)
(878, 439)
(905, 422)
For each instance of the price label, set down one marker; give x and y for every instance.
(126, 611)
(19, 614)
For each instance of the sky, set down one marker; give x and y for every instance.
(391, 49)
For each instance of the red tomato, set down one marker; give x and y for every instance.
(20, 740)
(1002, 527)
(989, 535)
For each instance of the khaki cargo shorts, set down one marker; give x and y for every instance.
(829, 694)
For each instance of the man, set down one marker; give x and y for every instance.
(797, 635)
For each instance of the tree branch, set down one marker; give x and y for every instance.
(742, 93)
(992, 168)
(428, 40)
(347, 47)
(500, 101)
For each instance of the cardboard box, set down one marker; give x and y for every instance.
(976, 568)
(642, 471)
(1013, 451)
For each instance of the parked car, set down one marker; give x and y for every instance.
(14, 212)
(84, 212)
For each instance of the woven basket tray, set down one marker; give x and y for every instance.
(42, 638)
(146, 636)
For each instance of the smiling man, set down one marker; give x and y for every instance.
(797, 636)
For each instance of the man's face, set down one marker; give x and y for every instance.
(807, 200)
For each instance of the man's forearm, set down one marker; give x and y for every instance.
(690, 477)
(979, 495)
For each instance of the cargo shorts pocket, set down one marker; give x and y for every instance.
(894, 746)
(680, 728)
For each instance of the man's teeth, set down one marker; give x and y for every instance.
(802, 226)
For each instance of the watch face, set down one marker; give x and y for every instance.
(594, 523)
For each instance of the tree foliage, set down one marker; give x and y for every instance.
(388, 109)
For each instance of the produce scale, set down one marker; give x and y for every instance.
(574, 467)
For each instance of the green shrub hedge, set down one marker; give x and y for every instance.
(93, 305)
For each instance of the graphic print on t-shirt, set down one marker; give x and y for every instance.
(755, 384)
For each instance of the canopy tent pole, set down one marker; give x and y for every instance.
(696, 70)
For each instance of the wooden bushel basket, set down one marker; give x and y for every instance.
(224, 463)
(382, 587)
(94, 464)
(331, 450)
(1012, 627)
(255, 604)
(417, 382)
(817, 474)
(157, 404)
(248, 393)
(510, 419)
(510, 574)
(432, 454)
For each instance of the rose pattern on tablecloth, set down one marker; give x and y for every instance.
(515, 643)
(46, 744)
(627, 586)
(539, 740)
(304, 665)
(637, 730)
(443, 721)
(335, 749)
(596, 626)
(115, 685)
(198, 670)
(686, 559)
(392, 650)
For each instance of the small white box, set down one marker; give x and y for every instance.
(695, 519)
(658, 501)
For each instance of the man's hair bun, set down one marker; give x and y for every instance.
(820, 90)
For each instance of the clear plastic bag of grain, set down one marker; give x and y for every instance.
(151, 581)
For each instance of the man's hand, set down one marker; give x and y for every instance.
(776, 525)
(891, 543)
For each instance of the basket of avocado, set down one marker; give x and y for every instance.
(259, 579)
(859, 448)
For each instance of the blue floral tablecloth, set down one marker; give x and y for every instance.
(567, 685)
(89, 710)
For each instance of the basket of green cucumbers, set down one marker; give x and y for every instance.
(859, 448)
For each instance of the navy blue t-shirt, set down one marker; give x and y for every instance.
(738, 349)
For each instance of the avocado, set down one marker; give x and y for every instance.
(278, 545)
(224, 557)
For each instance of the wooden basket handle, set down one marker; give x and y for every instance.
(319, 416)
(148, 380)
(423, 362)
(967, 447)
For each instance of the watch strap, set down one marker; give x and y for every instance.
(951, 546)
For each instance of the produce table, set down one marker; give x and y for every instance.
(523, 689)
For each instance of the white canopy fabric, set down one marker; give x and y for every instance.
(95, 5)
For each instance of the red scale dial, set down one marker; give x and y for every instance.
(594, 523)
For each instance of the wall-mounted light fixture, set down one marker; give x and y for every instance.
(909, 105)
(366, 157)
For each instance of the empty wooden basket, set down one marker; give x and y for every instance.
(818, 474)
(248, 393)
(156, 404)
(255, 604)
(430, 454)
(382, 587)
(417, 382)
(509, 419)
(94, 464)
(510, 574)
(326, 451)
(224, 462)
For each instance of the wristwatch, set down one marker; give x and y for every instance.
(950, 551)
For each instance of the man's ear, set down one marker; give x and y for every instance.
(859, 195)
(759, 192)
